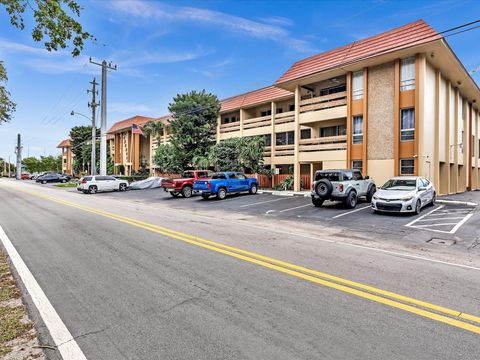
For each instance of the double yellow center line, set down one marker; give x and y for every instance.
(431, 311)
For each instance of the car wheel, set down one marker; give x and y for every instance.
(174, 193)
(317, 202)
(351, 200)
(44, 182)
(323, 188)
(253, 189)
(434, 199)
(122, 187)
(205, 196)
(418, 207)
(370, 193)
(221, 194)
(187, 191)
(92, 189)
(64, 181)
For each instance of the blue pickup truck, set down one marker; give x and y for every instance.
(223, 183)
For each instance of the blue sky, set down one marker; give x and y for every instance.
(163, 48)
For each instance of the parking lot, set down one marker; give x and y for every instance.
(445, 223)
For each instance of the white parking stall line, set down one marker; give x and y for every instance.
(66, 344)
(442, 218)
(264, 202)
(430, 225)
(423, 216)
(465, 219)
(297, 207)
(351, 212)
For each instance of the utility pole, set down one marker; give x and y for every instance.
(103, 121)
(93, 105)
(18, 151)
(9, 166)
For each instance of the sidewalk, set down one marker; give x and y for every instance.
(304, 193)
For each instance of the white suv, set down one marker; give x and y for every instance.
(92, 184)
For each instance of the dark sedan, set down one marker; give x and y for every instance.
(53, 178)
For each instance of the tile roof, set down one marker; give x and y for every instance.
(413, 34)
(65, 143)
(270, 93)
(127, 123)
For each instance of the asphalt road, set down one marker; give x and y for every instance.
(130, 290)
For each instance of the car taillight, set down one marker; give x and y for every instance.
(209, 185)
(340, 188)
(84, 181)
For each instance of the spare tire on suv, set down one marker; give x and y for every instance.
(323, 188)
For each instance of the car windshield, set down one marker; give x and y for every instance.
(329, 175)
(188, 175)
(400, 184)
(218, 176)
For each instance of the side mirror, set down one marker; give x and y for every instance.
(422, 188)
(367, 177)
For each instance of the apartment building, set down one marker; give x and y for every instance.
(133, 152)
(67, 156)
(398, 103)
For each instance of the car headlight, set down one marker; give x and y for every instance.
(375, 197)
(407, 198)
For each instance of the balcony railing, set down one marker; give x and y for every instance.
(285, 117)
(257, 122)
(234, 126)
(323, 102)
(267, 151)
(284, 150)
(323, 144)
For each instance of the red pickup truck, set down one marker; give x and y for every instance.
(184, 185)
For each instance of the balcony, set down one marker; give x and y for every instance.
(267, 151)
(285, 117)
(230, 127)
(323, 144)
(284, 150)
(257, 122)
(323, 102)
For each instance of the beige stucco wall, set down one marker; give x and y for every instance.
(442, 123)
(381, 170)
(338, 164)
(325, 114)
(427, 157)
(381, 86)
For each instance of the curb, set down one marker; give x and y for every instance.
(282, 193)
(456, 202)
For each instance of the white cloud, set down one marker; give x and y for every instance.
(271, 28)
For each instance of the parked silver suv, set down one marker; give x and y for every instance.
(342, 185)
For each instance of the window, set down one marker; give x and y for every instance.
(357, 135)
(291, 107)
(336, 130)
(240, 177)
(357, 85)
(407, 124)
(266, 113)
(407, 166)
(100, 178)
(268, 140)
(357, 175)
(279, 110)
(357, 165)
(347, 175)
(407, 74)
(333, 90)
(218, 176)
(110, 178)
(203, 174)
(285, 138)
(305, 134)
(329, 175)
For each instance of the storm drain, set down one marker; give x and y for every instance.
(442, 241)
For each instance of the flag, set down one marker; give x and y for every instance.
(136, 129)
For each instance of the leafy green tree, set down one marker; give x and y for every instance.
(166, 159)
(7, 106)
(81, 136)
(238, 154)
(154, 128)
(31, 164)
(55, 25)
(194, 125)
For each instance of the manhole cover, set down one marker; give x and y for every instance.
(442, 242)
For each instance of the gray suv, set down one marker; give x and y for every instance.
(342, 185)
